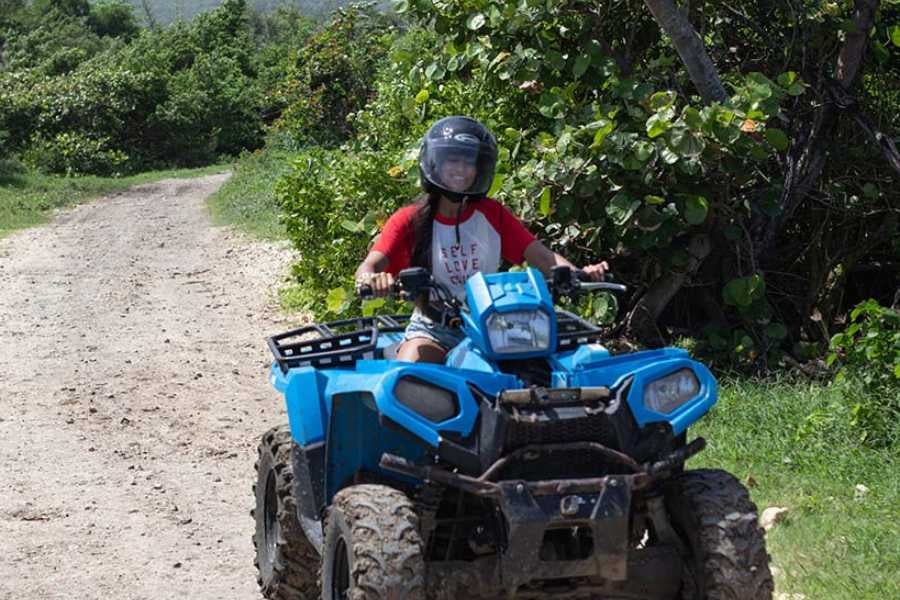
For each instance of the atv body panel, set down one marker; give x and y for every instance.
(538, 443)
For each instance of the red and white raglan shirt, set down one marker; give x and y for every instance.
(488, 232)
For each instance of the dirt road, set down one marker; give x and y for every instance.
(132, 393)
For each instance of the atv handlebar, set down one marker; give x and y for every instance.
(564, 281)
(602, 285)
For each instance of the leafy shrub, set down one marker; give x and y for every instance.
(322, 217)
(211, 108)
(4, 152)
(101, 101)
(75, 154)
(332, 77)
(53, 44)
(113, 18)
(180, 96)
(868, 352)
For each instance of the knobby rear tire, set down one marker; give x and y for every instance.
(287, 563)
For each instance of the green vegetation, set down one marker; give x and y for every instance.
(795, 444)
(247, 200)
(82, 92)
(869, 354)
(28, 198)
(608, 150)
(164, 12)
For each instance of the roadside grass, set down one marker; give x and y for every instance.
(796, 442)
(247, 200)
(28, 198)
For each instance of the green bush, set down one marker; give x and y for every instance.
(180, 96)
(868, 354)
(113, 18)
(100, 101)
(332, 77)
(331, 219)
(52, 41)
(75, 154)
(211, 108)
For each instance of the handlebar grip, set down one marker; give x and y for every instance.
(365, 291)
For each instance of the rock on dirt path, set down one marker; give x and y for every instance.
(132, 394)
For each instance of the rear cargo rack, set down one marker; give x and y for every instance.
(573, 331)
(333, 344)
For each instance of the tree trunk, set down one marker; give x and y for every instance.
(640, 324)
(807, 156)
(690, 48)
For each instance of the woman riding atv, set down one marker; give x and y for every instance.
(454, 230)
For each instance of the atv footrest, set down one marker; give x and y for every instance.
(333, 344)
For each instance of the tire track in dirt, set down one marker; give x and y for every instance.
(132, 393)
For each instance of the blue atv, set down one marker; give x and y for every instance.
(531, 464)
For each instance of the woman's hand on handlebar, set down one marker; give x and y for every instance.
(596, 272)
(378, 285)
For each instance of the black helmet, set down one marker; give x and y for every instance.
(451, 148)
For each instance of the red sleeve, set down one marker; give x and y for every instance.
(514, 236)
(397, 239)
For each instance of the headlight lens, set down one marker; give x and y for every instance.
(519, 331)
(666, 394)
(430, 401)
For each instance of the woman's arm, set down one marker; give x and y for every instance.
(542, 258)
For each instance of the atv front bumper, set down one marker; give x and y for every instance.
(607, 563)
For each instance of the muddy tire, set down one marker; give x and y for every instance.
(726, 547)
(373, 549)
(286, 562)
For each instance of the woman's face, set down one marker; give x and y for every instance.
(457, 173)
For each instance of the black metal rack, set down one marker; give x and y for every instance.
(573, 331)
(342, 343)
(333, 344)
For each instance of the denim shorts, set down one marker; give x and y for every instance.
(422, 327)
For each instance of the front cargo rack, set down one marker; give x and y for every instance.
(573, 331)
(342, 343)
(333, 344)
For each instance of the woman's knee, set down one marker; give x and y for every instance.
(421, 350)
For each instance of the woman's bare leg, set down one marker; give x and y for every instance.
(421, 350)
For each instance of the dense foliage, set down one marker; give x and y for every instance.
(868, 352)
(83, 91)
(331, 77)
(608, 152)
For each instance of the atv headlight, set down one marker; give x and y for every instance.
(519, 331)
(430, 401)
(668, 393)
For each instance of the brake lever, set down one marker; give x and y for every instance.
(602, 285)
(583, 282)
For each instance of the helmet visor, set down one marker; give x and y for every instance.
(460, 168)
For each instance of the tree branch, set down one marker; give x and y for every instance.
(690, 48)
(806, 158)
(641, 321)
(850, 59)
